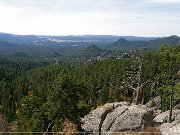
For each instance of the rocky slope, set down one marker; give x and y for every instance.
(123, 117)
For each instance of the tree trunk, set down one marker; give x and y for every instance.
(171, 100)
(138, 95)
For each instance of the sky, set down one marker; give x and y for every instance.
(148, 18)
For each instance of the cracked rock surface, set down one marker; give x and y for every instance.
(116, 117)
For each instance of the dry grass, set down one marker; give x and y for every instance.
(3, 125)
(145, 131)
(69, 128)
(150, 131)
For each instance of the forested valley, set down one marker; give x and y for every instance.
(42, 96)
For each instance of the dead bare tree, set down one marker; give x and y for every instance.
(139, 83)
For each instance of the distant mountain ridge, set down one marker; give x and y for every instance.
(123, 44)
(67, 40)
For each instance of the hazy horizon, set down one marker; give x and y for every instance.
(88, 35)
(142, 18)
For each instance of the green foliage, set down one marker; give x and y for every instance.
(152, 104)
(168, 63)
(65, 100)
(40, 97)
(104, 96)
(20, 54)
(29, 115)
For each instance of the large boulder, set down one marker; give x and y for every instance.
(116, 117)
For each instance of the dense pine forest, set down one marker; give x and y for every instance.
(41, 96)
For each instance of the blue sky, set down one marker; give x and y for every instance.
(100, 17)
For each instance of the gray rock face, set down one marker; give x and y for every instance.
(164, 116)
(116, 117)
(169, 128)
(177, 107)
(155, 103)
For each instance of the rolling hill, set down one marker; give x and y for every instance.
(93, 52)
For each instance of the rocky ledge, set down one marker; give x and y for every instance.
(117, 117)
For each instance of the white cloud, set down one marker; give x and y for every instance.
(64, 17)
(163, 1)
